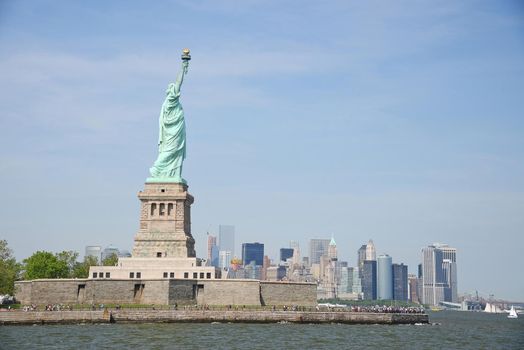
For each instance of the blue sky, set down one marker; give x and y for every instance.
(402, 122)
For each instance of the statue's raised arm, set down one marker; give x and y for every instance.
(172, 132)
(180, 76)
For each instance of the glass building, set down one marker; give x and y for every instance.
(109, 251)
(211, 242)
(286, 253)
(361, 256)
(384, 277)
(253, 252)
(224, 259)
(345, 284)
(438, 274)
(400, 282)
(369, 279)
(317, 248)
(94, 251)
(433, 281)
(226, 238)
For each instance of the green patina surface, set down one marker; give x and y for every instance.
(171, 135)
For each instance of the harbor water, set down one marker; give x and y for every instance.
(448, 330)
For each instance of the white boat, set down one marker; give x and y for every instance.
(512, 313)
(492, 308)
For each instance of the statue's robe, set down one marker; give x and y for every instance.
(171, 136)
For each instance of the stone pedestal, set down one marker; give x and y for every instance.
(165, 222)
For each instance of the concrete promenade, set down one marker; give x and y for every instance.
(248, 316)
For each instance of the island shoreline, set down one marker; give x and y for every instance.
(206, 316)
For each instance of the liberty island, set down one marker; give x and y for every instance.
(164, 270)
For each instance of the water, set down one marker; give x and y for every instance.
(456, 330)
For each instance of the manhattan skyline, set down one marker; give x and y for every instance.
(397, 122)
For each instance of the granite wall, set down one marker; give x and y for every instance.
(259, 316)
(164, 292)
(288, 293)
(229, 292)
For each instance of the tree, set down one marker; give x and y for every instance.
(81, 270)
(9, 269)
(69, 257)
(111, 260)
(44, 264)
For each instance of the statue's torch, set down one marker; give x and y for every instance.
(186, 57)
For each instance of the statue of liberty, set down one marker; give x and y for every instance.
(172, 133)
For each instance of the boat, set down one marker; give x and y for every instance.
(492, 308)
(512, 313)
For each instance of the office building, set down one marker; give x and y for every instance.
(95, 251)
(286, 253)
(400, 282)
(384, 277)
(253, 271)
(438, 280)
(253, 252)
(413, 288)
(317, 248)
(265, 266)
(357, 282)
(294, 244)
(276, 273)
(214, 257)
(226, 238)
(332, 250)
(450, 275)
(371, 251)
(224, 259)
(361, 254)
(449, 265)
(305, 261)
(211, 242)
(109, 251)
(369, 279)
(365, 252)
(212, 251)
(345, 283)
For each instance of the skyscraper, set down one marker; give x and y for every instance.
(370, 251)
(384, 277)
(297, 260)
(266, 264)
(357, 281)
(413, 288)
(361, 256)
(449, 263)
(400, 282)
(365, 252)
(253, 252)
(345, 283)
(211, 242)
(109, 251)
(369, 279)
(286, 253)
(214, 256)
(224, 259)
(317, 248)
(332, 250)
(439, 274)
(226, 238)
(94, 251)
